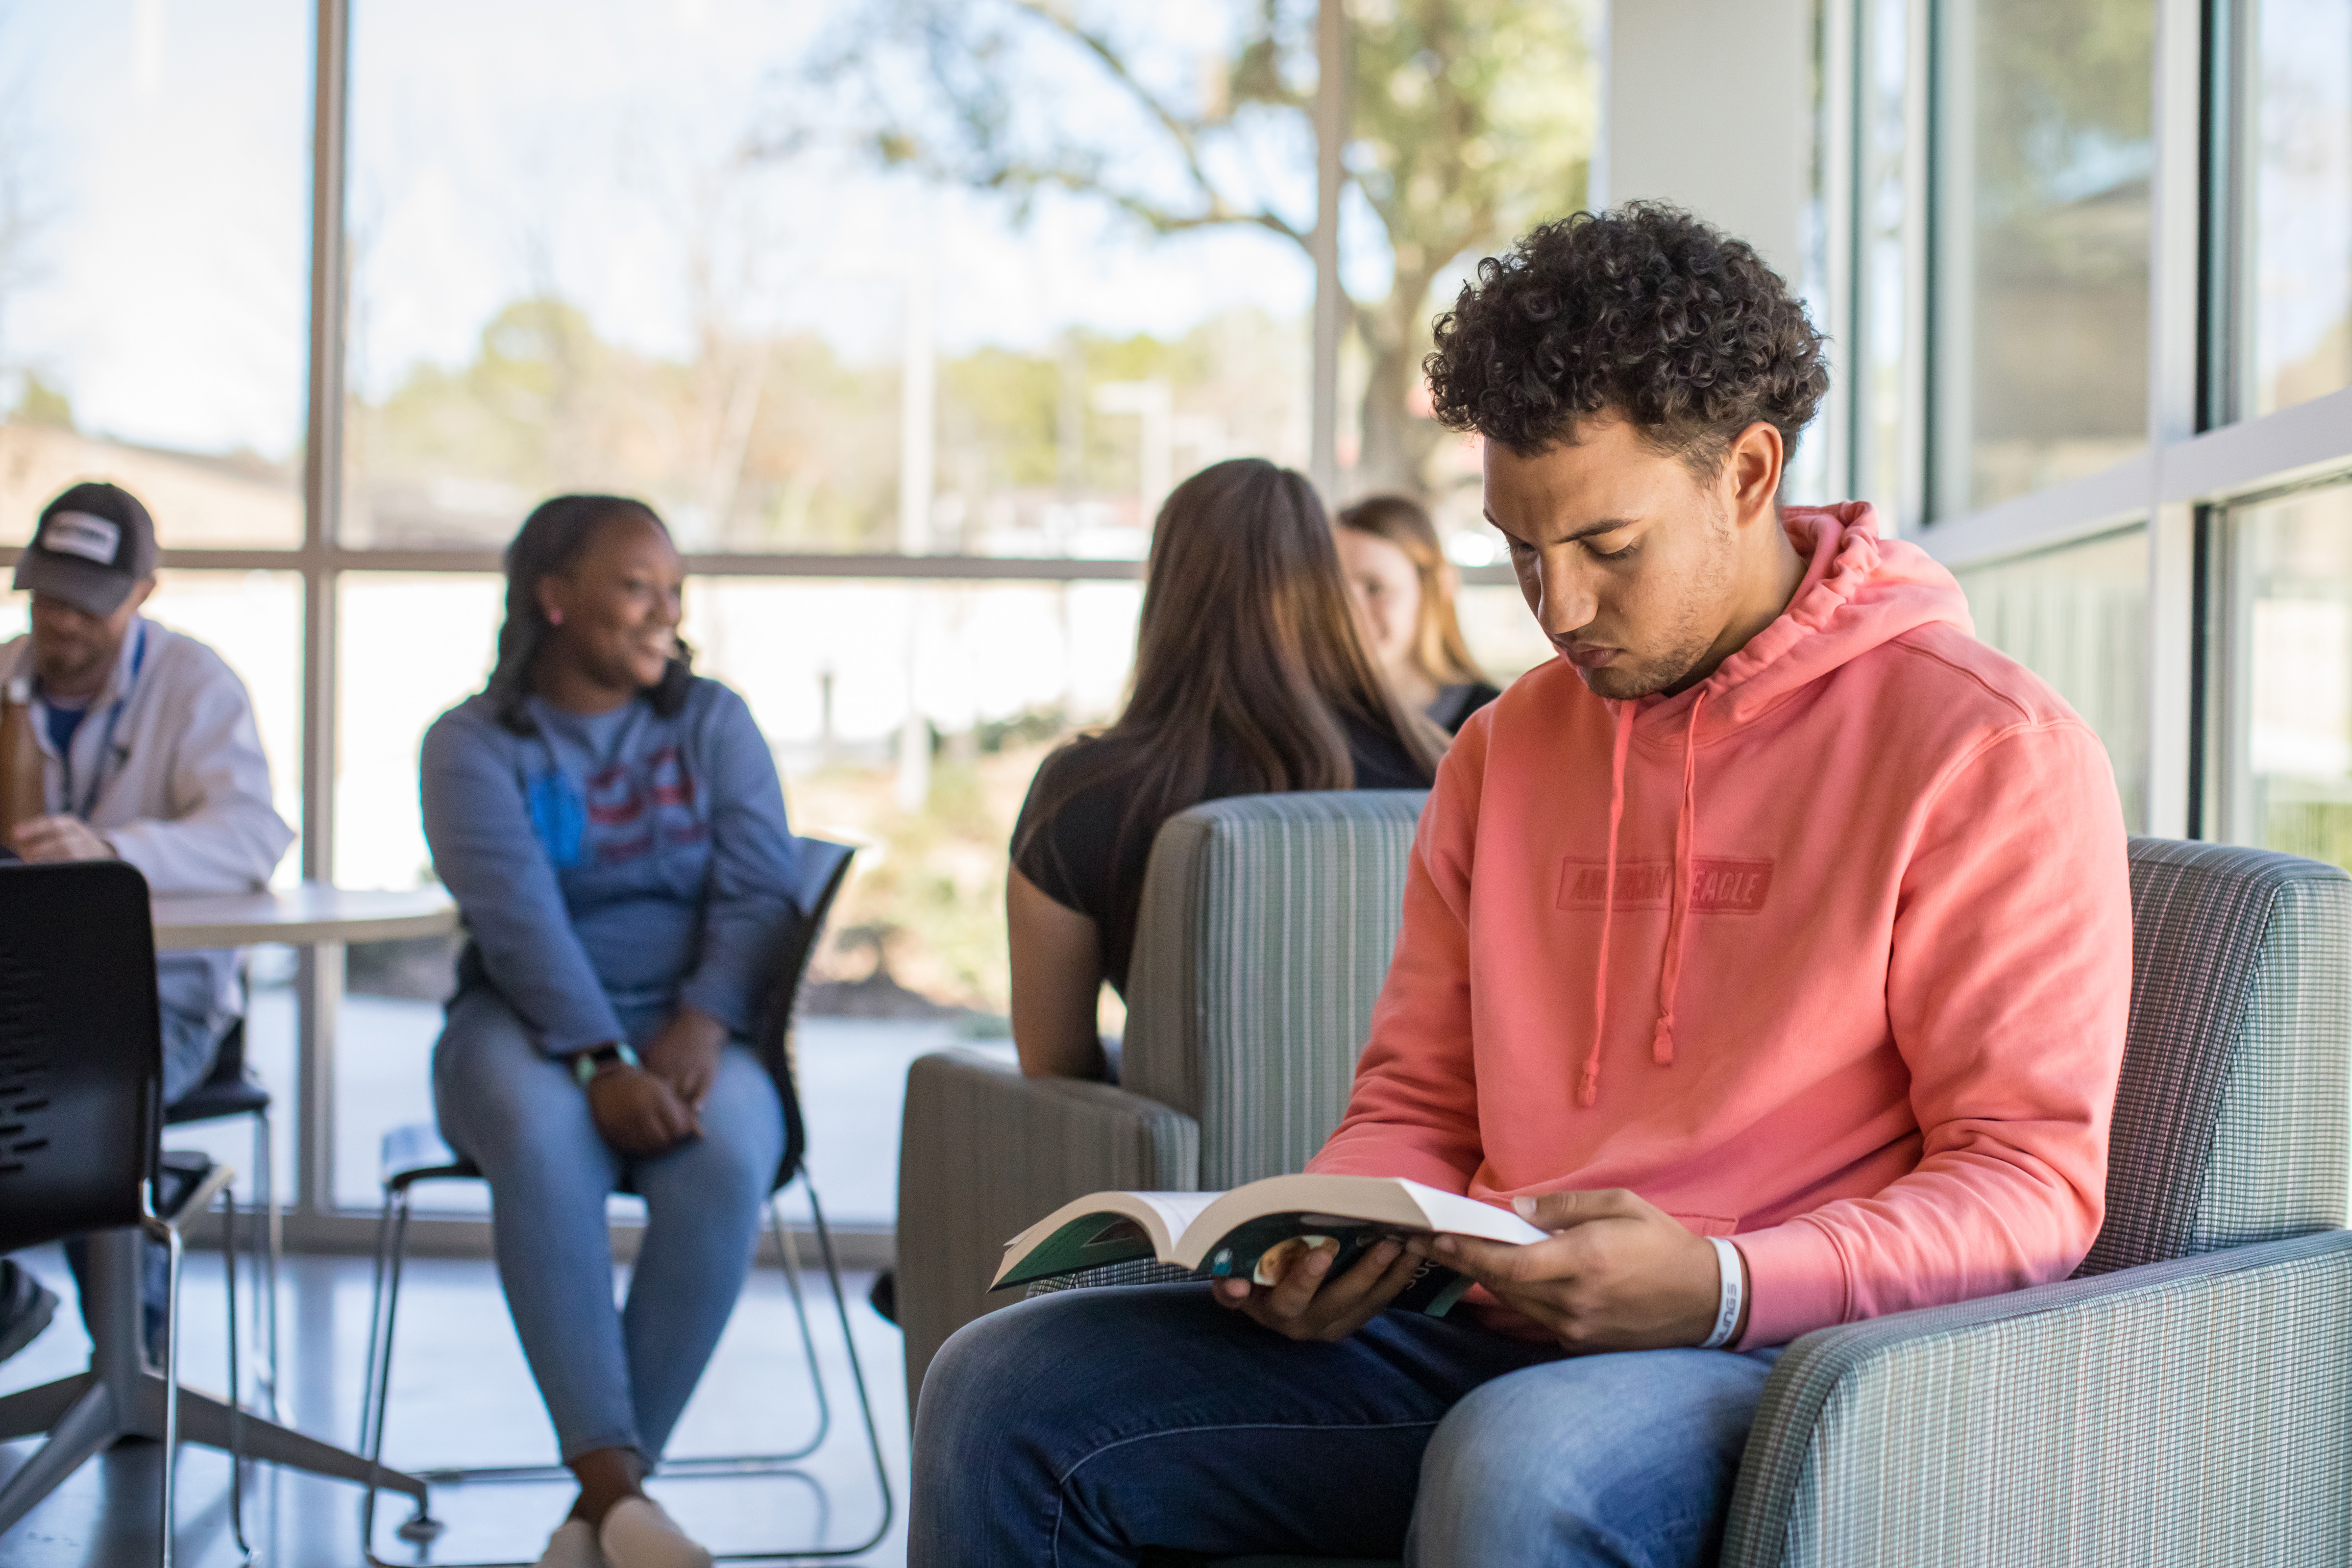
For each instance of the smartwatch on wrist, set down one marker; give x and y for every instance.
(593, 1063)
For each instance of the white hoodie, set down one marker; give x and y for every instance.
(167, 767)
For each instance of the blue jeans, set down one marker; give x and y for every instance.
(612, 1377)
(1085, 1425)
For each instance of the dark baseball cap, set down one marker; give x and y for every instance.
(94, 545)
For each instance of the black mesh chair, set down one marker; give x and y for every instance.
(416, 1154)
(232, 1090)
(81, 1088)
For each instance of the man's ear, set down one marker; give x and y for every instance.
(1752, 471)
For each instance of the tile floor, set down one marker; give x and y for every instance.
(463, 1396)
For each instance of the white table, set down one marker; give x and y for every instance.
(118, 1397)
(300, 916)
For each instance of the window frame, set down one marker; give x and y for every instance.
(312, 1220)
(2200, 457)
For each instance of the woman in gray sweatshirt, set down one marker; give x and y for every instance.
(613, 829)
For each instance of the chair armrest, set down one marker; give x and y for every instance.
(2194, 1411)
(985, 1152)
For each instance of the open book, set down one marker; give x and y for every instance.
(1257, 1231)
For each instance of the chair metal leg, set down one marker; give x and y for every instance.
(169, 1237)
(236, 1384)
(270, 1249)
(392, 1226)
(856, 1377)
(788, 1253)
(391, 1246)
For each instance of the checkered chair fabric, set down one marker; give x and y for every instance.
(2187, 1397)
(2230, 1118)
(1267, 929)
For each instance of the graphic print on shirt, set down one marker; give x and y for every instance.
(1718, 885)
(633, 806)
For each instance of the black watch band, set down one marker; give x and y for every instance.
(587, 1064)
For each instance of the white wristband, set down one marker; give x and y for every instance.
(1735, 1286)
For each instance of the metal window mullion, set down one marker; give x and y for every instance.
(1839, 159)
(2175, 325)
(1919, 230)
(319, 981)
(1330, 297)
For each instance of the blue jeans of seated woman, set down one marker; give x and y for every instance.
(1081, 1428)
(612, 1377)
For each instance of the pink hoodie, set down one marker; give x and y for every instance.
(1831, 951)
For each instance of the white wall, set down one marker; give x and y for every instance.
(1708, 105)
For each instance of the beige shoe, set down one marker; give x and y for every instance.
(573, 1545)
(638, 1534)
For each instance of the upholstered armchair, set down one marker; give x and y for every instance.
(2185, 1398)
(1267, 926)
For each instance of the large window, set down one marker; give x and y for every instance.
(2285, 701)
(2039, 364)
(2293, 180)
(2077, 615)
(151, 251)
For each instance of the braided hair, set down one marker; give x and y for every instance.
(552, 539)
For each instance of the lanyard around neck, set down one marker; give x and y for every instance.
(106, 742)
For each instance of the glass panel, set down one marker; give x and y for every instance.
(254, 621)
(2078, 618)
(2040, 349)
(1882, 203)
(413, 647)
(2287, 707)
(2300, 193)
(589, 251)
(154, 241)
(907, 719)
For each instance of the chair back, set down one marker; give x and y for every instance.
(1265, 931)
(81, 1052)
(824, 868)
(2231, 1115)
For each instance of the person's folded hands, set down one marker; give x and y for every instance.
(684, 1052)
(1306, 1303)
(53, 838)
(1616, 1274)
(638, 1113)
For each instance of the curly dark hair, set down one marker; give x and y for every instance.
(1642, 311)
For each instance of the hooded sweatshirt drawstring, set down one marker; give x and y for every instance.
(1589, 1088)
(1662, 1040)
(1662, 1043)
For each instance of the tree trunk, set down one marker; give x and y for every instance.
(1397, 441)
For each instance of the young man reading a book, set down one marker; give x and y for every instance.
(1770, 949)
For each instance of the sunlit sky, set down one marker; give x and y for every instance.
(593, 147)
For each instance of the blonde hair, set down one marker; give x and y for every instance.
(1439, 651)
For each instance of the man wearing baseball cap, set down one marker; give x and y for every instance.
(150, 756)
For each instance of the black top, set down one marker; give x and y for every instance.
(1079, 858)
(1454, 704)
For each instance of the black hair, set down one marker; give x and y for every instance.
(552, 541)
(1642, 312)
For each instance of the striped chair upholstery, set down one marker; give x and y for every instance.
(1265, 931)
(2186, 1398)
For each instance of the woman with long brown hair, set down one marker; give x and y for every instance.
(1403, 589)
(1250, 679)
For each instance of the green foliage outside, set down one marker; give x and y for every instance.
(1469, 120)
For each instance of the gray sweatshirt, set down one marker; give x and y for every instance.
(611, 868)
(167, 767)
